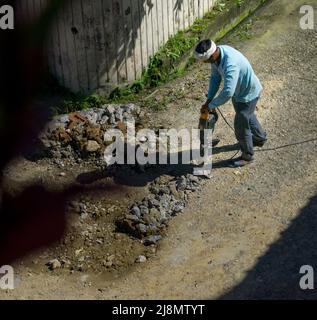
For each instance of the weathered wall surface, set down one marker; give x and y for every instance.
(102, 43)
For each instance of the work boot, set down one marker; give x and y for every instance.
(259, 144)
(242, 161)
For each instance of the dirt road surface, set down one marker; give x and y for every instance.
(248, 232)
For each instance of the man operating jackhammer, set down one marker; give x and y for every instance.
(242, 86)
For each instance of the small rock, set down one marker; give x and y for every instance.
(163, 216)
(91, 115)
(193, 178)
(152, 228)
(77, 252)
(154, 203)
(155, 213)
(164, 179)
(142, 228)
(92, 146)
(111, 257)
(152, 240)
(141, 259)
(182, 195)
(165, 201)
(84, 216)
(178, 207)
(82, 206)
(136, 211)
(154, 190)
(64, 119)
(130, 107)
(104, 120)
(107, 264)
(142, 139)
(164, 190)
(136, 109)
(133, 217)
(111, 209)
(54, 264)
(182, 184)
(174, 191)
(110, 110)
(119, 115)
(66, 263)
(127, 117)
(112, 120)
(144, 210)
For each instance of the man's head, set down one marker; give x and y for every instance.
(207, 51)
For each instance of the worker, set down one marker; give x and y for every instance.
(242, 86)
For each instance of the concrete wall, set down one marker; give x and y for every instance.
(101, 43)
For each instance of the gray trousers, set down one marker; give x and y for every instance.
(247, 126)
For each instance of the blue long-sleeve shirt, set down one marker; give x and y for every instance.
(240, 81)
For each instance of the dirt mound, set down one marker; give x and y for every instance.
(80, 135)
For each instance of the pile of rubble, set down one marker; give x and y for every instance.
(80, 135)
(168, 197)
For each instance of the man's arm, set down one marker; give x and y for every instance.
(231, 80)
(214, 84)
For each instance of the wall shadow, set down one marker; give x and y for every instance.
(276, 274)
(100, 44)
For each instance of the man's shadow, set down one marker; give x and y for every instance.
(136, 175)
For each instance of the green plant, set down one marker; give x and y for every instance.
(94, 101)
(239, 2)
(75, 102)
(220, 6)
(244, 31)
(154, 75)
(157, 104)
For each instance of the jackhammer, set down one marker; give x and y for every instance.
(207, 121)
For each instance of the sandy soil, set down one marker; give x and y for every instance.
(248, 232)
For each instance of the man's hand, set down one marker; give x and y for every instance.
(206, 104)
(204, 109)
